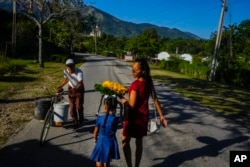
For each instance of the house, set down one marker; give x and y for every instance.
(187, 57)
(163, 55)
(160, 56)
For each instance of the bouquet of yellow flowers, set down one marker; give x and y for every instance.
(111, 88)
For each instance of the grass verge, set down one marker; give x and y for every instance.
(229, 101)
(18, 91)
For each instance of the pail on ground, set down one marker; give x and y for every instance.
(61, 112)
(42, 105)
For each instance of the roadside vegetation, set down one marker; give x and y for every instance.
(29, 65)
(226, 100)
(20, 87)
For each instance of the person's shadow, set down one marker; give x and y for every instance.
(30, 154)
(211, 149)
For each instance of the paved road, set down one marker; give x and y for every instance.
(195, 136)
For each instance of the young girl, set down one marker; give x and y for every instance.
(106, 147)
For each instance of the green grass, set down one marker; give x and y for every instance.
(32, 79)
(229, 101)
(23, 85)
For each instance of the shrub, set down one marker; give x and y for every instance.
(163, 64)
(8, 66)
(59, 58)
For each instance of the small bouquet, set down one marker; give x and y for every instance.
(111, 88)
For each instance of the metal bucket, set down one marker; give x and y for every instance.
(42, 105)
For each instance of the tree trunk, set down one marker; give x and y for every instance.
(40, 47)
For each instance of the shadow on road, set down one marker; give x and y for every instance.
(22, 154)
(211, 149)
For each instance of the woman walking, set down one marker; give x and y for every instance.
(136, 123)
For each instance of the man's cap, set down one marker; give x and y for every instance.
(70, 61)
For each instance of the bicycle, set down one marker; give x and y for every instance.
(49, 117)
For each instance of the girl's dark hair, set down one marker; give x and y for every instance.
(145, 67)
(111, 102)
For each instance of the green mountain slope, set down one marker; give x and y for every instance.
(114, 26)
(119, 28)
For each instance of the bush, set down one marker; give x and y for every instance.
(109, 54)
(8, 66)
(237, 77)
(163, 64)
(181, 66)
(172, 65)
(59, 58)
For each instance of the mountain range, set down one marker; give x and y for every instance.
(113, 26)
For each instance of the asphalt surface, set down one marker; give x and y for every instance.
(195, 136)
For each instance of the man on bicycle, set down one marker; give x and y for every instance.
(74, 77)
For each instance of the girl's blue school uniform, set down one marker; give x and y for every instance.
(106, 147)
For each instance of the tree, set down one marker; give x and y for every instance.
(242, 40)
(5, 31)
(42, 11)
(145, 45)
(132, 45)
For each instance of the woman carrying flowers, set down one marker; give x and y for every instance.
(135, 126)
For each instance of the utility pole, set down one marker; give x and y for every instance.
(218, 40)
(14, 29)
(95, 34)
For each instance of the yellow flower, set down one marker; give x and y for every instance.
(109, 87)
(106, 83)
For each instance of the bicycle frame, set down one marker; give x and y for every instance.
(48, 120)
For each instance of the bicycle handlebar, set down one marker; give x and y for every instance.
(62, 93)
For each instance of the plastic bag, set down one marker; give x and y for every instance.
(153, 125)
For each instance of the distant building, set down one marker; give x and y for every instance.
(187, 57)
(128, 57)
(162, 56)
(96, 31)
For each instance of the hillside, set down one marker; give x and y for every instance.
(113, 26)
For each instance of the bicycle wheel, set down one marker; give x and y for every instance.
(46, 126)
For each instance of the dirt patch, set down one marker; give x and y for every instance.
(13, 117)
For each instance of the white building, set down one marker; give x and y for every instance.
(96, 32)
(187, 57)
(163, 55)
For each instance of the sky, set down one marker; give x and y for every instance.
(200, 17)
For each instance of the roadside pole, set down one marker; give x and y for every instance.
(218, 40)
